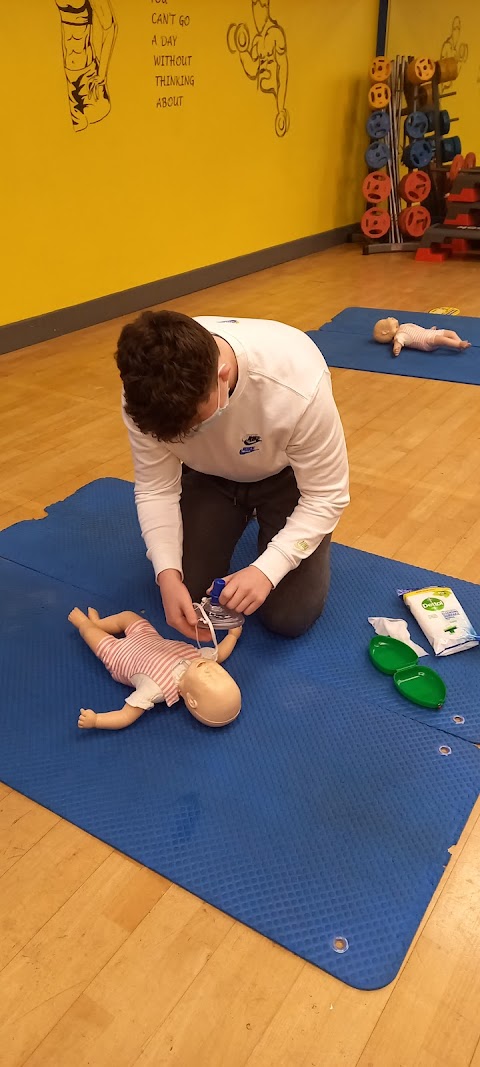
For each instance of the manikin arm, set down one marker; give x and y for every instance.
(399, 341)
(109, 720)
(227, 646)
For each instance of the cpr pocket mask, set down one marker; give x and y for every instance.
(218, 615)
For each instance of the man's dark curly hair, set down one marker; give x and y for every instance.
(168, 366)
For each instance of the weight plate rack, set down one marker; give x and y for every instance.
(411, 148)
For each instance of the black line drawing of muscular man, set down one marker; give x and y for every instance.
(264, 58)
(88, 36)
(453, 48)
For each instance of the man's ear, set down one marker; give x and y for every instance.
(190, 701)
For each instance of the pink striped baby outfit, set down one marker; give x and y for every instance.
(411, 336)
(145, 652)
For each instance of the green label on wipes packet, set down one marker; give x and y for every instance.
(432, 604)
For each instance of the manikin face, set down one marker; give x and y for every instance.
(209, 692)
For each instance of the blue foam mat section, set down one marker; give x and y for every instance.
(317, 815)
(92, 541)
(346, 341)
(326, 810)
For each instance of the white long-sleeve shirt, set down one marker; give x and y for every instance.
(281, 413)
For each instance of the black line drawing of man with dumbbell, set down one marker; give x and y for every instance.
(453, 48)
(264, 57)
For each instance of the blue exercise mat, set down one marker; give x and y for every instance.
(319, 815)
(347, 342)
(317, 818)
(92, 541)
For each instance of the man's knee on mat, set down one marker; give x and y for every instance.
(281, 619)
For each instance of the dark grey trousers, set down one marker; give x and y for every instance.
(215, 512)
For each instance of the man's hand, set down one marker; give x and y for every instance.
(246, 590)
(179, 610)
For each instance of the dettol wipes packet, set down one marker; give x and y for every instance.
(441, 618)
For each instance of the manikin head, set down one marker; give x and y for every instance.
(384, 330)
(209, 692)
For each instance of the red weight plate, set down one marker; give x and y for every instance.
(415, 187)
(413, 221)
(470, 160)
(457, 165)
(376, 187)
(375, 223)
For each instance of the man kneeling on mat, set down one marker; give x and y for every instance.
(228, 418)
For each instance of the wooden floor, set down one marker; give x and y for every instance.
(103, 963)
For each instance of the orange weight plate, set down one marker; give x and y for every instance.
(447, 70)
(379, 96)
(420, 70)
(380, 69)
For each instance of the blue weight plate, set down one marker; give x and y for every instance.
(377, 155)
(378, 125)
(451, 147)
(416, 124)
(418, 154)
(444, 121)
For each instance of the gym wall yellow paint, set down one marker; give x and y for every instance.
(150, 192)
(422, 29)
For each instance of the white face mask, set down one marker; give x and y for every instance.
(219, 408)
(206, 653)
